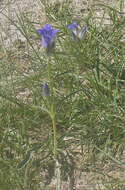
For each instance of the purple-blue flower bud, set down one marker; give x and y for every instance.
(45, 90)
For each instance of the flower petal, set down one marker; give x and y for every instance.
(82, 32)
(73, 26)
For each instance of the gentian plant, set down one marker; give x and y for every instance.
(78, 33)
(48, 35)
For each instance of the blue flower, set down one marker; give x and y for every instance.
(73, 26)
(82, 32)
(48, 34)
(45, 90)
(78, 33)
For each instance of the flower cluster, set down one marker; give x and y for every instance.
(48, 34)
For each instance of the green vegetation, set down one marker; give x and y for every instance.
(80, 126)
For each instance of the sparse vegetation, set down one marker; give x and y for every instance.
(62, 114)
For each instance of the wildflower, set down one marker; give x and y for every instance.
(45, 90)
(78, 33)
(73, 26)
(48, 34)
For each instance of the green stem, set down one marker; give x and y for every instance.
(49, 76)
(52, 109)
(54, 137)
